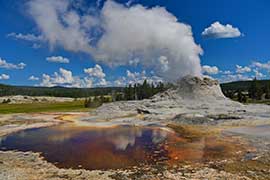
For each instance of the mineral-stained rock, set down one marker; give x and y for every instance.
(191, 119)
(30, 166)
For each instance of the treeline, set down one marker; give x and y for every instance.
(254, 90)
(132, 92)
(144, 90)
(6, 90)
(93, 102)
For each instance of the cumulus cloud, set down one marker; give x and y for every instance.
(241, 69)
(152, 36)
(65, 78)
(33, 78)
(226, 72)
(218, 30)
(57, 59)
(4, 64)
(4, 76)
(96, 71)
(136, 77)
(249, 72)
(211, 70)
(234, 77)
(102, 82)
(258, 74)
(259, 65)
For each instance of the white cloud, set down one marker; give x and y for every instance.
(4, 76)
(46, 81)
(234, 77)
(33, 78)
(96, 71)
(57, 59)
(210, 69)
(65, 78)
(158, 34)
(102, 82)
(164, 63)
(135, 74)
(217, 30)
(136, 77)
(258, 74)
(134, 62)
(226, 72)
(35, 39)
(95, 78)
(59, 25)
(260, 65)
(120, 82)
(241, 69)
(26, 37)
(143, 33)
(86, 82)
(6, 65)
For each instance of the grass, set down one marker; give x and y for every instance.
(254, 101)
(265, 101)
(43, 107)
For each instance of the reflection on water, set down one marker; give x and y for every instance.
(109, 148)
(91, 148)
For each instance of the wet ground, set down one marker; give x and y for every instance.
(72, 146)
(262, 131)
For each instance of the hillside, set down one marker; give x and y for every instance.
(242, 85)
(8, 90)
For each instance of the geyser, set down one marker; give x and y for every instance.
(119, 35)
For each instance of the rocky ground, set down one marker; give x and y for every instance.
(33, 99)
(194, 102)
(31, 166)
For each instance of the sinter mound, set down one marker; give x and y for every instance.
(192, 98)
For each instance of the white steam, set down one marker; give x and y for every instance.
(120, 35)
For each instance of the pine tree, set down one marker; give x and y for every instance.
(267, 91)
(253, 89)
(135, 92)
(87, 102)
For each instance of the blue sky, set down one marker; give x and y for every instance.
(230, 38)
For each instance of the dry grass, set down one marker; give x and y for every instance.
(43, 107)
